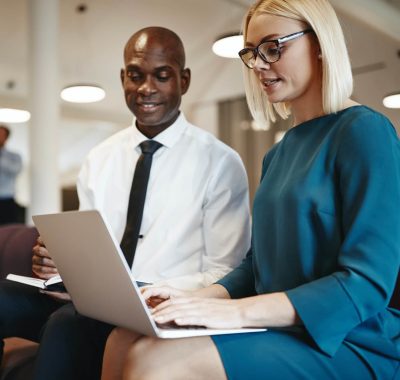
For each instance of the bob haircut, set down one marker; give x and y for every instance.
(337, 79)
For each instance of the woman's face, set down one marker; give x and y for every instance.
(296, 76)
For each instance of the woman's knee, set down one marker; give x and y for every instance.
(119, 333)
(143, 360)
(121, 338)
(118, 343)
(152, 358)
(143, 350)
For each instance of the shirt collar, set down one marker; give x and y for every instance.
(167, 138)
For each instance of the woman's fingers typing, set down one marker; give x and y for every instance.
(214, 313)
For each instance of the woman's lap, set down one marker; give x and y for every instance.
(286, 355)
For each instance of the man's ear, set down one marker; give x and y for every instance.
(122, 75)
(185, 80)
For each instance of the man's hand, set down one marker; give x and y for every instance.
(42, 264)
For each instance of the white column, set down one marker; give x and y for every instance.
(44, 106)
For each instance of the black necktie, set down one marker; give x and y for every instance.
(137, 198)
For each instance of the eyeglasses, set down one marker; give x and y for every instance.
(269, 51)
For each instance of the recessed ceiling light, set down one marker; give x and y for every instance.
(83, 93)
(392, 101)
(12, 115)
(228, 45)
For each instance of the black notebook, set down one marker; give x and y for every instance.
(53, 284)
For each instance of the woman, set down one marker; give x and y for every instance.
(326, 226)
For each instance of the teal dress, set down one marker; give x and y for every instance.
(326, 230)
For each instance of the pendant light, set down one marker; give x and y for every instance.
(392, 100)
(13, 115)
(228, 45)
(82, 91)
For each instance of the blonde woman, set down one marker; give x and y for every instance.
(326, 226)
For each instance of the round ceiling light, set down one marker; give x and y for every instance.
(12, 115)
(228, 45)
(83, 93)
(392, 101)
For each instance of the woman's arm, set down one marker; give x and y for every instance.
(367, 176)
(212, 291)
(211, 307)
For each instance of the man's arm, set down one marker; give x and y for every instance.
(84, 194)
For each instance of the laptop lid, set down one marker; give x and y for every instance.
(93, 269)
(97, 277)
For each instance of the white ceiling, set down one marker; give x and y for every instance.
(91, 44)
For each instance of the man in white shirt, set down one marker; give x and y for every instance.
(195, 223)
(195, 226)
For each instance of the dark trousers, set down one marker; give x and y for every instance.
(71, 345)
(8, 211)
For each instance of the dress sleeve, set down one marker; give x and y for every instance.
(241, 281)
(368, 179)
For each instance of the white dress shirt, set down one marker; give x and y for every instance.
(196, 221)
(10, 166)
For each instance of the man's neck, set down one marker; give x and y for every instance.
(151, 131)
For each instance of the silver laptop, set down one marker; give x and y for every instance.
(97, 276)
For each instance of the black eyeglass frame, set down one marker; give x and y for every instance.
(278, 42)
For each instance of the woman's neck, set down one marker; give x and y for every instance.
(305, 111)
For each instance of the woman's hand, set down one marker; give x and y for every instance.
(196, 311)
(272, 310)
(208, 312)
(156, 295)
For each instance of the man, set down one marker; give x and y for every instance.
(10, 167)
(195, 225)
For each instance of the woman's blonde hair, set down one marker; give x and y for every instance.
(337, 79)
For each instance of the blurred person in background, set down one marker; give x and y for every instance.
(10, 167)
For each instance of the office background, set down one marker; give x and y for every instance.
(90, 38)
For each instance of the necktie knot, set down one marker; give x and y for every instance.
(149, 146)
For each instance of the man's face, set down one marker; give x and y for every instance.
(153, 83)
(3, 136)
